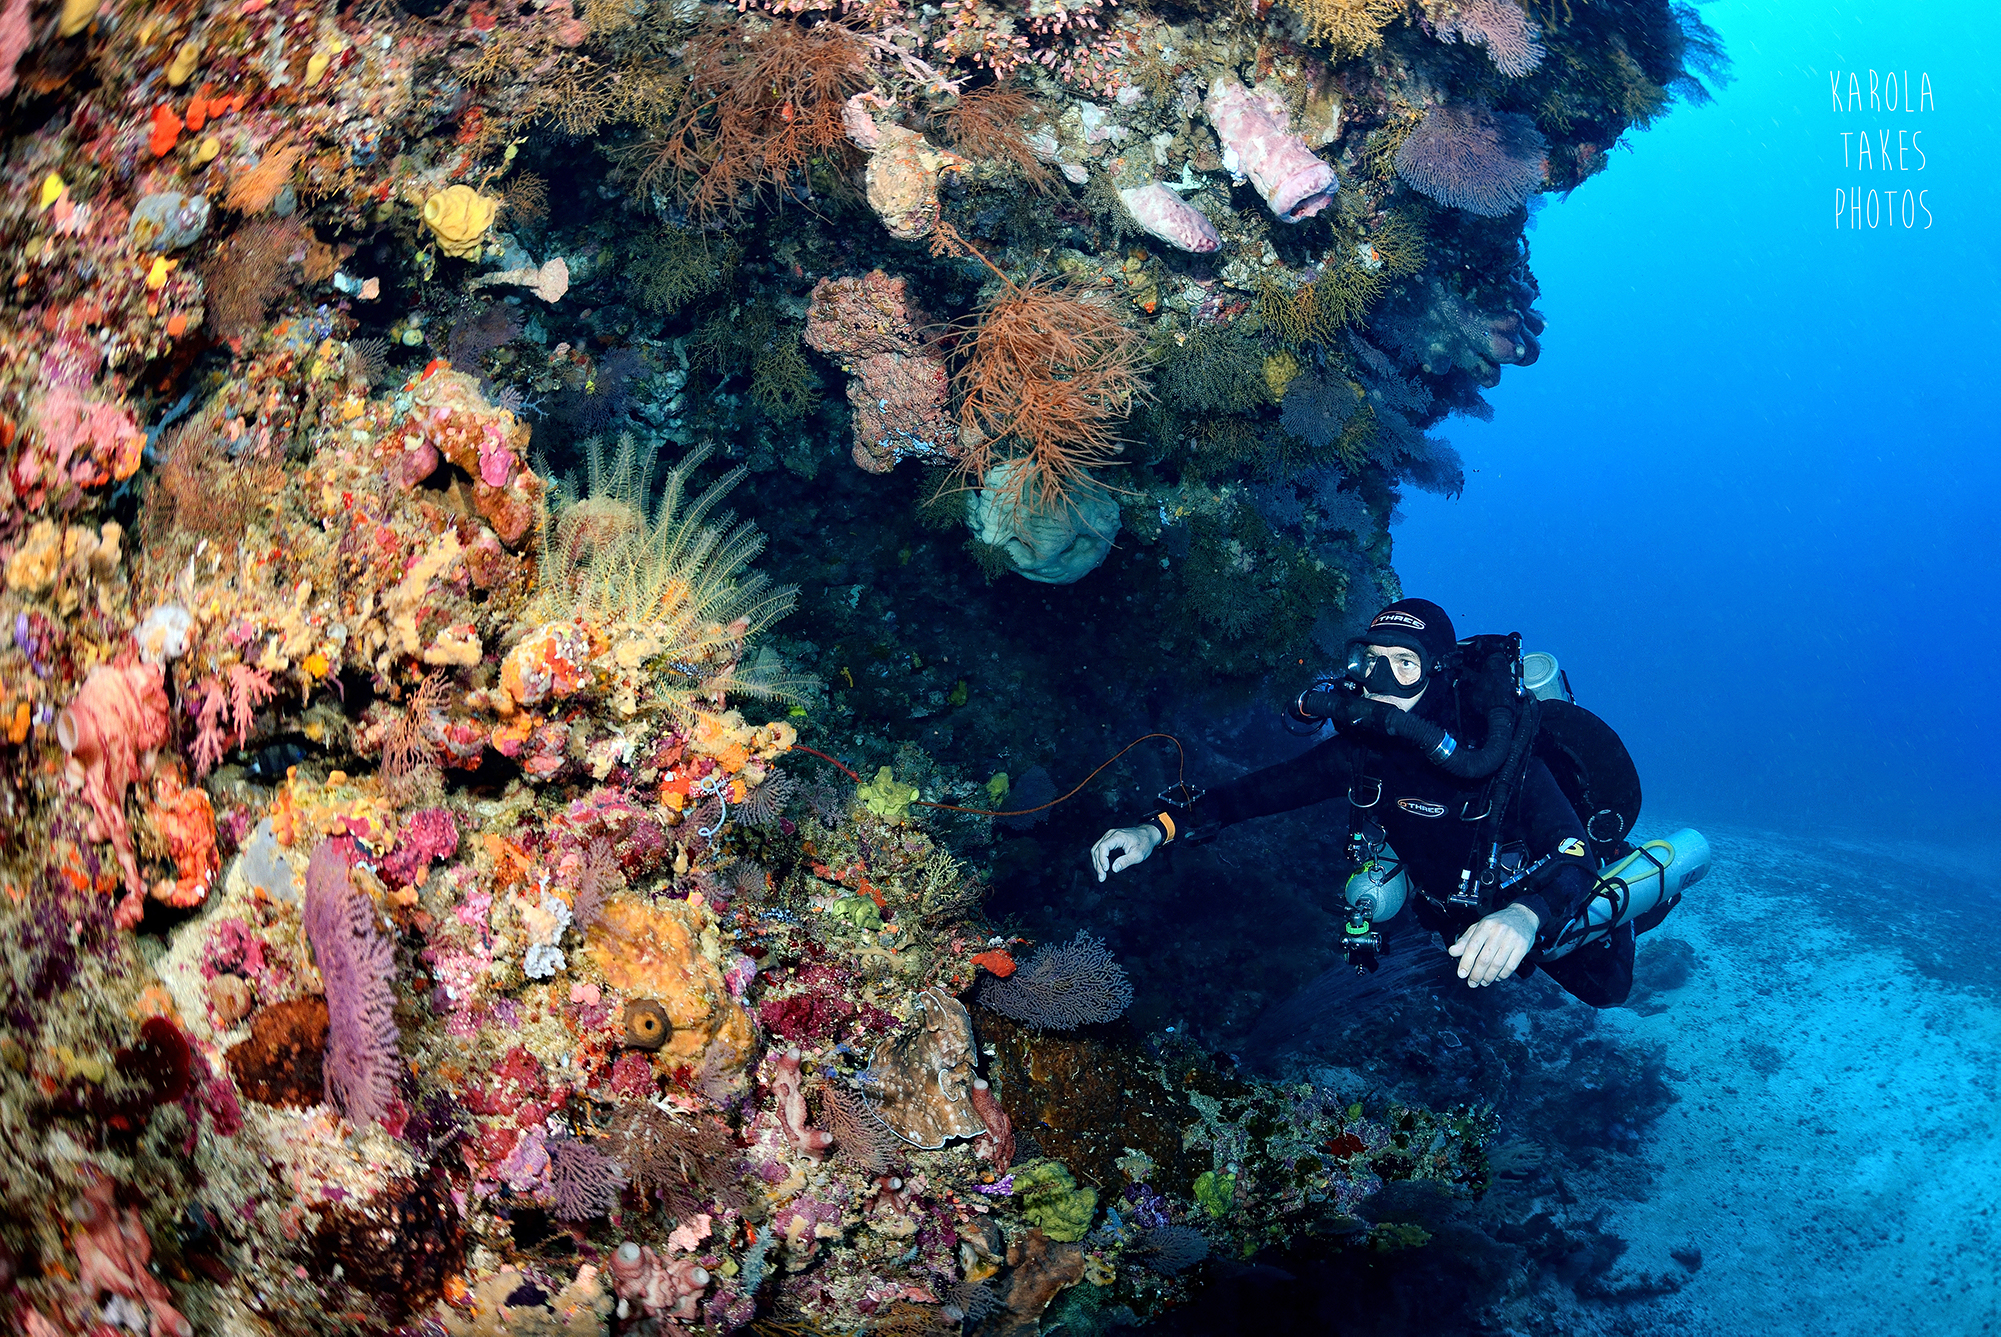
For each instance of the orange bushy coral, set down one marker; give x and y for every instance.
(987, 123)
(760, 107)
(252, 190)
(1047, 372)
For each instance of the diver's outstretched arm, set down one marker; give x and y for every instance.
(1122, 847)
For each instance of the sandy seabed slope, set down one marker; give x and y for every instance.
(1836, 1150)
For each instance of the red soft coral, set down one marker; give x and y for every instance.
(186, 822)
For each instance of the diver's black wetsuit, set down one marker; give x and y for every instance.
(1420, 814)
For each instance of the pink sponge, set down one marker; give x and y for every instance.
(1294, 182)
(1172, 219)
(109, 730)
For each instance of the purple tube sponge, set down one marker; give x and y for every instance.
(356, 964)
(1293, 181)
(1170, 218)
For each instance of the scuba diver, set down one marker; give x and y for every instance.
(1500, 843)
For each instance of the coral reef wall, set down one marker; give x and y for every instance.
(425, 905)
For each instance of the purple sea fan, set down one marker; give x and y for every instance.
(1062, 987)
(1502, 27)
(584, 1180)
(356, 965)
(1473, 158)
(860, 1136)
(1169, 1249)
(971, 1301)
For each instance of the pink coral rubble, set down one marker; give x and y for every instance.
(428, 836)
(1294, 183)
(900, 390)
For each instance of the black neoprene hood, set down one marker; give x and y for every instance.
(1415, 624)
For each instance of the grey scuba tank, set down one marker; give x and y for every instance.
(1652, 876)
(1379, 887)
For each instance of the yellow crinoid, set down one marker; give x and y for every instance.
(668, 596)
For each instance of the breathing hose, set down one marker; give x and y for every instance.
(1331, 700)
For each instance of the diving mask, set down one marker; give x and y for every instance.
(1399, 674)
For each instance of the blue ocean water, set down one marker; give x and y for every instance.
(1748, 497)
(1748, 494)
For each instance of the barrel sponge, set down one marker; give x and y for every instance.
(1053, 545)
(459, 216)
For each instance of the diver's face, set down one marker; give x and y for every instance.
(1404, 665)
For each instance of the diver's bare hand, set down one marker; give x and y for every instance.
(1122, 847)
(1492, 948)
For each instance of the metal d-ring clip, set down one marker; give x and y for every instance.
(1375, 798)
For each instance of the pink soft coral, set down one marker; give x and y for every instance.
(239, 692)
(109, 729)
(249, 688)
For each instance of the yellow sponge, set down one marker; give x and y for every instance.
(459, 216)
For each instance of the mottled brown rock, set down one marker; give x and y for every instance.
(395, 1248)
(280, 1063)
(1042, 1271)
